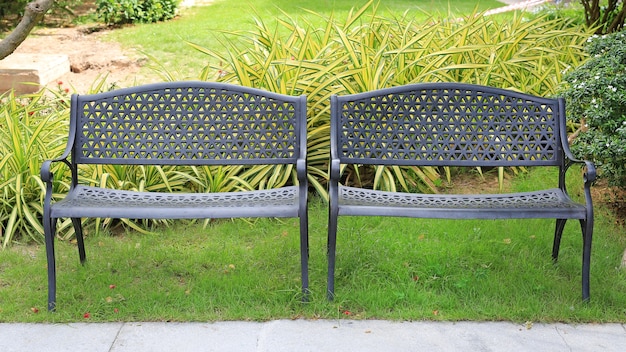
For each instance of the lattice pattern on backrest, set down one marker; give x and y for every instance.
(461, 124)
(188, 123)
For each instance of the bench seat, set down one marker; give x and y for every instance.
(86, 201)
(548, 203)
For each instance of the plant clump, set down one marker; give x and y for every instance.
(117, 12)
(367, 51)
(596, 97)
(31, 130)
(319, 55)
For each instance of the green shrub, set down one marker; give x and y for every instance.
(596, 97)
(365, 51)
(11, 7)
(115, 12)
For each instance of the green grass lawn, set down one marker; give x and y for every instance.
(387, 268)
(166, 41)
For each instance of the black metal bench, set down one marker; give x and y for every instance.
(451, 124)
(180, 123)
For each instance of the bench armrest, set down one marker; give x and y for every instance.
(333, 184)
(46, 168)
(589, 177)
(47, 175)
(334, 170)
(301, 169)
(589, 173)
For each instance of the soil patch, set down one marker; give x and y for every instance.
(614, 198)
(90, 56)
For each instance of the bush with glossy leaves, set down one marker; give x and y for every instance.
(596, 98)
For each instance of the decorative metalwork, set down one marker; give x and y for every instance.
(450, 125)
(198, 124)
(552, 198)
(84, 200)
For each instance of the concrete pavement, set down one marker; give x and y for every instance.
(312, 335)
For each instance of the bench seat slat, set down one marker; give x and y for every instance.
(549, 203)
(85, 201)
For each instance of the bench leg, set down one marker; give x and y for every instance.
(587, 229)
(78, 229)
(558, 233)
(332, 246)
(304, 255)
(49, 226)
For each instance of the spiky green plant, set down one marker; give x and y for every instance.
(366, 51)
(29, 133)
(359, 52)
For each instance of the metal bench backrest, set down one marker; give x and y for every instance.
(188, 123)
(447, 124)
